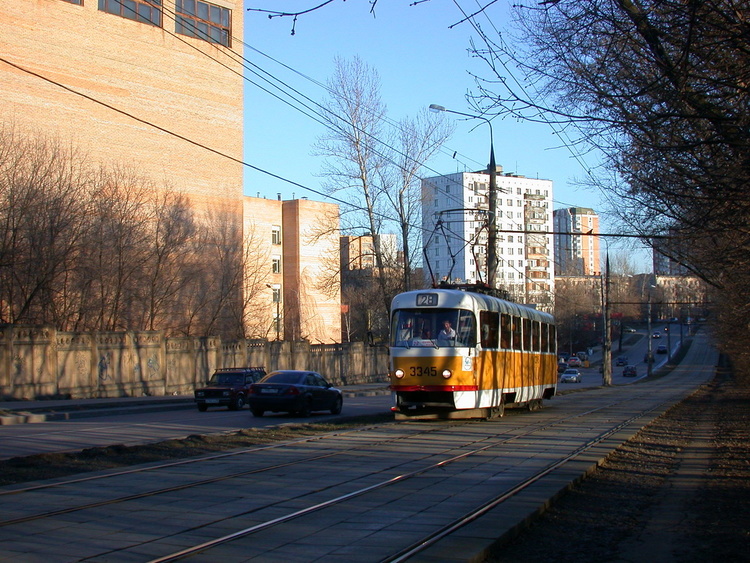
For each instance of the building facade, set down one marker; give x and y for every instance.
(454, 221)
(159, 91)
(577, 241)
(292, 288)
(156, 87)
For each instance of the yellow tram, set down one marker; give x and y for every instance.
(464, 354)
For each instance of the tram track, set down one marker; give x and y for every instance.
(475, 442)
(235, 475)
(424, 543)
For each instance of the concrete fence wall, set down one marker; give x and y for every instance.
(41, 362)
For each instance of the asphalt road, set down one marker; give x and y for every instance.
(144, 427)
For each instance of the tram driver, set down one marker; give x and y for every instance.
(447, 334)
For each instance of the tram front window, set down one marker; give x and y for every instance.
(435, 328)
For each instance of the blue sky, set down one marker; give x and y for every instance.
(420, 60)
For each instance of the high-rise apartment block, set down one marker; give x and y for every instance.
(577, 241)
(455, 227)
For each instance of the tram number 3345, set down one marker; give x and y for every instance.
(420, 371)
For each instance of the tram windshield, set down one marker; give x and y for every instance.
(434, 327)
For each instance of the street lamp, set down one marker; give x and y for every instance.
(276, 287)
(492, 227)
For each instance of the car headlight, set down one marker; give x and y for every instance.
(446, 373)
(399, 373)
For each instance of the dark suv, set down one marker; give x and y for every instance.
(227, 387)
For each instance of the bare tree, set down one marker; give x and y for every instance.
(418, 139)
(165, 272)
(661, 90)
(256, 317)
(213, 302)
(355, 121)
(42, 200)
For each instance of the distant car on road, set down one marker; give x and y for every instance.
(561, 367)
(629, 329)
(656, 335)
(574, 362)
(227, 387)
(630, 371)
(570, 375)
(661, 349)
(621, 361)
(295, 391)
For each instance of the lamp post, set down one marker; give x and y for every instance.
(492, 224)
(276, 287)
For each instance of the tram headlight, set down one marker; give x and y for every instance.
(399, 373)
(446, 373)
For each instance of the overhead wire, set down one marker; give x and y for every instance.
(310, 112)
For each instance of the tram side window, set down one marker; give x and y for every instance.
(466, 329)
(535, 335)
(506, 331)
(489, 322)
(545, 337)
(517, 333)
(552, 338)
(527, 334)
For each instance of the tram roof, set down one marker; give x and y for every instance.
(456, 298)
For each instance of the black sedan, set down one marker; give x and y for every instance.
(295, 391)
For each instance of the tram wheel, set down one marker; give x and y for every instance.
(498, 411)
(535, 405)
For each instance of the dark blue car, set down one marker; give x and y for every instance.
(296, 391)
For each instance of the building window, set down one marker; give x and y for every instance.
(276, 265)
(275, 235)
(144, 11)
(203, 20)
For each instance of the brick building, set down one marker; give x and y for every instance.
(136, 92)
(156, 86)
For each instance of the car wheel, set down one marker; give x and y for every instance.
(203, 408)
(336, 408)
(238, 403)
(306, 409)
(257, 412)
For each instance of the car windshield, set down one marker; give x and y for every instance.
(227, 379)
(283, 377)
(432, 328)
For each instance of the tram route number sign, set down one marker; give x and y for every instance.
(427, 299)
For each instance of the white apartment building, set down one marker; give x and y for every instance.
(454, 221)
(577, 241)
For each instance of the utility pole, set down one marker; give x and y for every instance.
(491, 196)
(650, 357)
(492, 224)
(607, 347)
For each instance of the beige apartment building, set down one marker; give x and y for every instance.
(156, 87)
(577, 241)
(293, 269)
